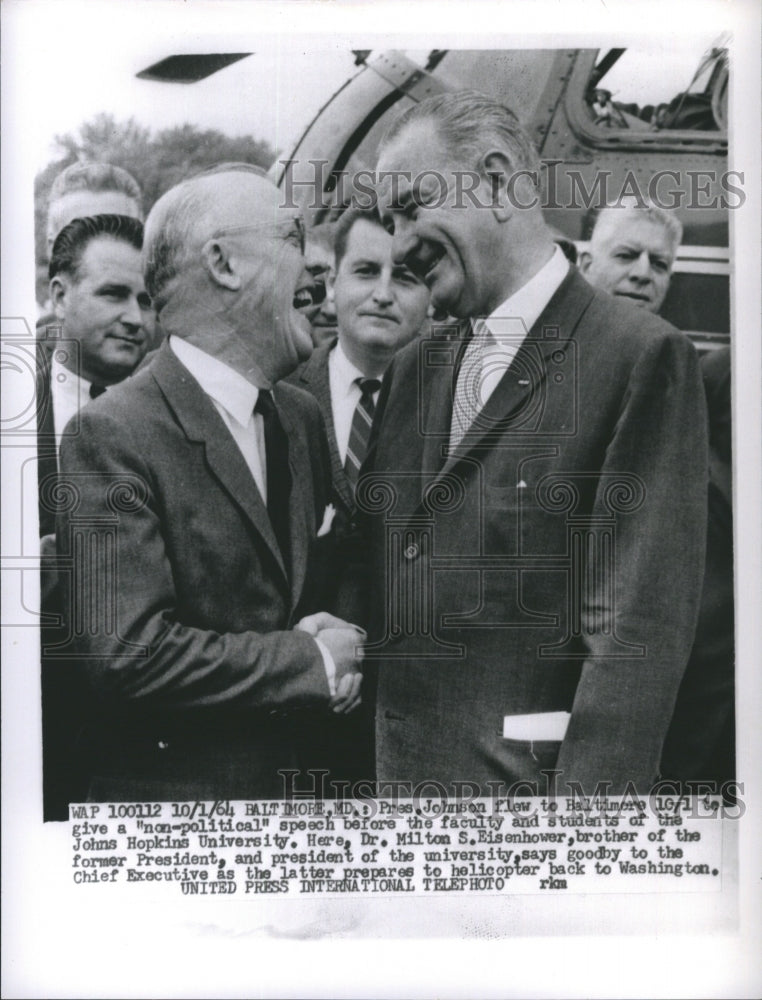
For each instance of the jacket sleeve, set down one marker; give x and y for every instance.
(121, 596)
(638, 613)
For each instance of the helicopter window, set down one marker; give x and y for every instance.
(680, 89)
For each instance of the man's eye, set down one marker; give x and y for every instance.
(144, 301)
(659, 265)
(406, 277)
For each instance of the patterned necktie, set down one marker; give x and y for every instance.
(467, 402)
(359, 432)
(96, 390)
(278, 473)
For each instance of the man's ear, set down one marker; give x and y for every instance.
(507, 191)
(218, 262)
(57, 289)
(584, 260)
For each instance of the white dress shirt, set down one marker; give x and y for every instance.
(497, 340)
(343, 379)
(69, 392)
(234, 398)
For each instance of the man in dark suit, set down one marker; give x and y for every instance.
(101, 308)
(201, 492)
(631, 255)
(536, 488)
(380, 307)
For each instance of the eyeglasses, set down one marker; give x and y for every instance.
(295, 224)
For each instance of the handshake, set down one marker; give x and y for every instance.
(344, 642)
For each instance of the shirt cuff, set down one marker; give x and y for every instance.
(330, 666)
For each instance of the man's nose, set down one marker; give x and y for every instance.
(328, 305)
(640, 269)
(132, 314)
(382, 289)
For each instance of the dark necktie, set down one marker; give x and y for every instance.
(278, 473)
(359, 432)
(96, 390)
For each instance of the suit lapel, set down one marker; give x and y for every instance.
(201, 422)
(315, 378)
(301, 503)
(523, 381)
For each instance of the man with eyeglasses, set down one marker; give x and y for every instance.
(205, 490)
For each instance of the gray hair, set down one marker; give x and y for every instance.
(647, 209)
(173, 228)
(95, 177)
(469, 122)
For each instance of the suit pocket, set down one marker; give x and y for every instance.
(526, 758)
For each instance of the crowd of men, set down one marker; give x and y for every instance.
(310, 540)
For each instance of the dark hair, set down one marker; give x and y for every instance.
(73, 240)
(345, 225)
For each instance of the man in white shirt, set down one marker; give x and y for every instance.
(216, 481)
(380, 307)
(101, 305)
(101, 308)
(536, 506)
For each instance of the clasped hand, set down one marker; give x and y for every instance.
(344, 642)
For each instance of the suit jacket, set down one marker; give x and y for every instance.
(47, 463)
(182, 609)
(552, 564)
(313, 377)
(349, 742)
(347, 596)
(700, 744)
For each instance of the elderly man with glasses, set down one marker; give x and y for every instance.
(204, 489)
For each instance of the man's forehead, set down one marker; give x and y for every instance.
(369, 239)
(107, 258)
(633, 229)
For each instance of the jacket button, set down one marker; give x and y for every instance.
(412, 551)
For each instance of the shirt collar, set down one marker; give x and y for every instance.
(529, 301)
(73, 382)
(227, 387)
(346, 373)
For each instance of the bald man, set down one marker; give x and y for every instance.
(206, 485)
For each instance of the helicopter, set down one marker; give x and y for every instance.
(674, 151)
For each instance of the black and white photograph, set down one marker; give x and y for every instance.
(381, 499)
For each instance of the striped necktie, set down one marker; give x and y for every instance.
(359, 433)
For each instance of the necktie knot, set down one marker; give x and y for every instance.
(96, 390)
(265, 404)
(369, 386)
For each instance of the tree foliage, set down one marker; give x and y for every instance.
(156, 161)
